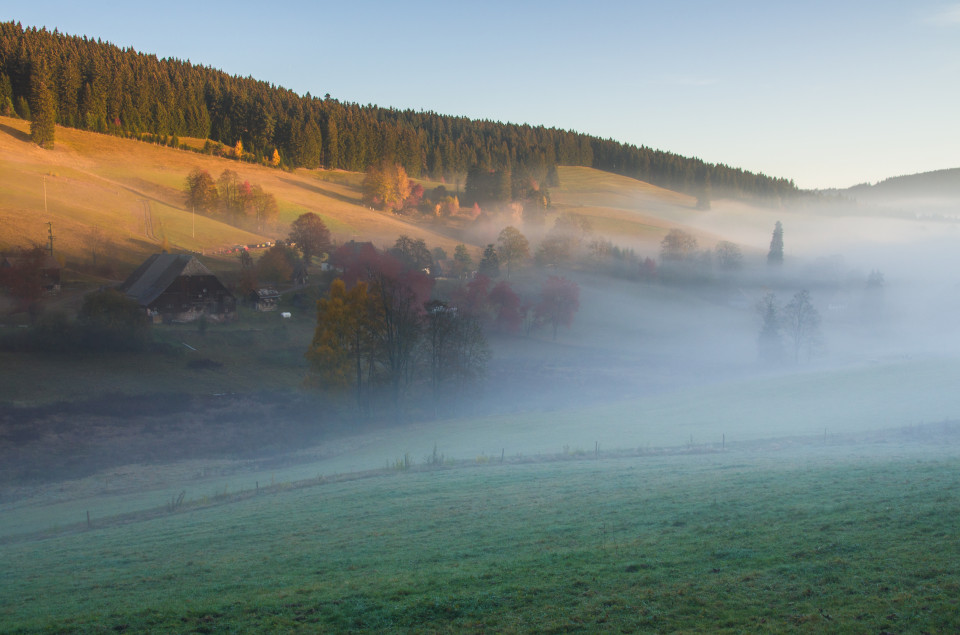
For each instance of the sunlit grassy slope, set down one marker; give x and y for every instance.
(104, 181)
(835, 539)
(108, 182)
(619, 206)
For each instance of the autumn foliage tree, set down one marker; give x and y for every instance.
(277, 264)
(265, 205)
(506, 306)
(386, 186)
(201, 190)
(342, 341)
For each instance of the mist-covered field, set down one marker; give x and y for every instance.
(850, 535)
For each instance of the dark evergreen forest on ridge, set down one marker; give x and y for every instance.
(97, 86)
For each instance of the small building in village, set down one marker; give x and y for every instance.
(265, 299)
(179, 288)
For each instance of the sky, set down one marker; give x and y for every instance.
(829, 94)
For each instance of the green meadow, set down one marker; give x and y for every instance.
(843, 537)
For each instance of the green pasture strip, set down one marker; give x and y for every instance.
(261, 352)
(837, 541)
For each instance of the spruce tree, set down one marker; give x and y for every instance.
(775, 257)
(42, 109)
(490, 263)
(770, 342)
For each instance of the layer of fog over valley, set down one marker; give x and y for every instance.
(675, 363)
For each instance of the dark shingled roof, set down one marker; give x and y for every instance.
(157, 273)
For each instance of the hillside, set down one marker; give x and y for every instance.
(104, 181)
(94, 85)
(925, 192)
(94, 180)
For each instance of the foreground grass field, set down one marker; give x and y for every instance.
(857, 538)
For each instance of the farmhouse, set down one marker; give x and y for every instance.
(265, 299)
(179, 288)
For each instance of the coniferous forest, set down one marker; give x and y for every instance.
(94, 85)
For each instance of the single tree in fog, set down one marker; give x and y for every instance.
(873, 298)
(770, 343)
(729, 256)
(800, 321)
(775, 257)
(397, 305)
(489, 263)
(559, 300)
(456, 348)
(677, 246)
(512, 248)
(462, 262)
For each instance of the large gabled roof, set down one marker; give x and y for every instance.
(157, 273)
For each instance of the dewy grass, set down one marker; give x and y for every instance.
(728, 542)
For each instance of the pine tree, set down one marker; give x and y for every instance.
(775, 257)
(770, 342)
(489, 263)
(462, 262)
(43, 109)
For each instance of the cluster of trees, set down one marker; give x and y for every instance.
(95, 85)
(235, 200)
(681, 259)
(385, 339)
(387, 186)
(790, 331)
(379, 337)
(287, 260)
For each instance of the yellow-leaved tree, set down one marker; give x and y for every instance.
(386, 185)
(341, 339)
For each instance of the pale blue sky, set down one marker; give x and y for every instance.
(829, 94)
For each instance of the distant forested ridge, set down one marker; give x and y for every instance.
(100, 87)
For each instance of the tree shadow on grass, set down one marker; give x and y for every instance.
(13, 132)
(322, 192)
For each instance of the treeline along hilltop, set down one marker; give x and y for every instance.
(97, 86)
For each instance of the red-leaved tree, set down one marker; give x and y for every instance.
(506, 307)
(471, 299)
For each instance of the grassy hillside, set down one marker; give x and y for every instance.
(843, 538)
(98, 180)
